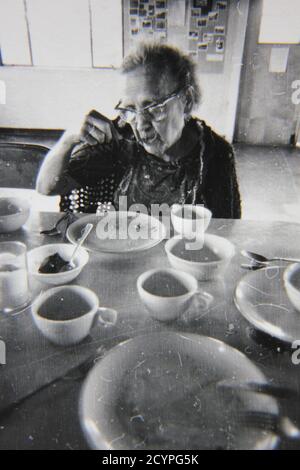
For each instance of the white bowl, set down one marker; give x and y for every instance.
(291, 278)
(189, 227)
(38, 255)
(14, 213)
(203, 270)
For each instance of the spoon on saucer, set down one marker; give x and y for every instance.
(262, 259)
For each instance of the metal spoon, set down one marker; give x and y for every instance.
(275, 390)
(68, 218)
(262, 259)
(280, 425)
(68, 265)
(253, 267)
(83, 237)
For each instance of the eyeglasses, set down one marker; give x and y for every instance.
(155, 111)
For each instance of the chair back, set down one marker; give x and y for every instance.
(20, 163)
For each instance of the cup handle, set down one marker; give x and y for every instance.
(204, 299)
(107, 316)
(175, 207)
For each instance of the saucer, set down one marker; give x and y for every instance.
(261, 298)
(159, 391)
(129, 232)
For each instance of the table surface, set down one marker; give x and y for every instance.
(49, 419)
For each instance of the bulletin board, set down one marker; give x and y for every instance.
(203, 28)
(207, 24)
(148, 19)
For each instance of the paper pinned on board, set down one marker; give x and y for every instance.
(177, 13)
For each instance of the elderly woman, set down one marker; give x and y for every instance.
(154, 152)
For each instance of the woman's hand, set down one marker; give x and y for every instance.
(97, 129)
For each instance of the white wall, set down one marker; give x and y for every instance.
(55, 98)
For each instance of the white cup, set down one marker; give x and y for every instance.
(14, 289)
(187, 226)
(68, 332)
(168, 308)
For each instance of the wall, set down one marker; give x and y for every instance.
(51, 51)
(266, 114)
(56, 98)
(220, 91)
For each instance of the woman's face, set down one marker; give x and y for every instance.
(143, 88)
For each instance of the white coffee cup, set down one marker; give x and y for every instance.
(72, 331)
(167, 308)
(187, 226)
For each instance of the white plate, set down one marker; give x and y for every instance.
(261, 298)
(138, 232)
(159, 392)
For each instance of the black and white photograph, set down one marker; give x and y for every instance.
(149, 227)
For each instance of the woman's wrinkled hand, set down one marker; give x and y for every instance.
(95, 129)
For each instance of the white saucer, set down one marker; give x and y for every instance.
(119, 241)
(159, 391)
(261, 298)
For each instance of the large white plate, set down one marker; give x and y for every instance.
(127, 232)
(261, 298)
(159, 391)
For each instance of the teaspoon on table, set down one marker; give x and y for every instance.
(262, 259)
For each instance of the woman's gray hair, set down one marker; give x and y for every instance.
(162, 59)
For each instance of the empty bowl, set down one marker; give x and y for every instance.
(38, 255)
(291, 279)
(205, 263)
(14, 213)
(190, 220)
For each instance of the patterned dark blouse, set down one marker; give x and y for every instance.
(102, 173)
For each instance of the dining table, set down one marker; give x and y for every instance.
(49, 418)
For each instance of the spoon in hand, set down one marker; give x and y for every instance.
(262, 259)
